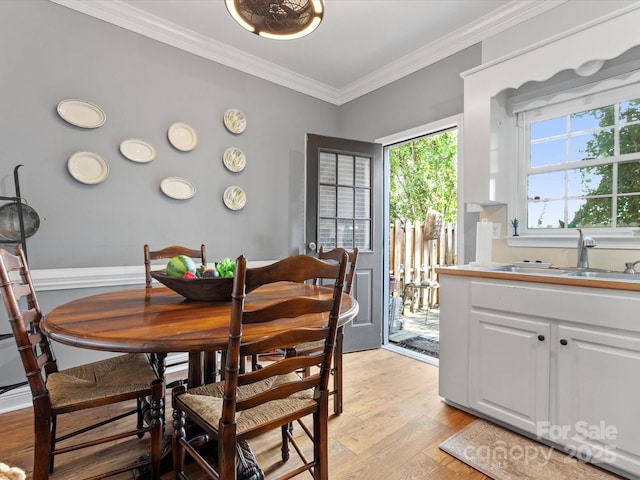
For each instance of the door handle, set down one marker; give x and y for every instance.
(312, 246)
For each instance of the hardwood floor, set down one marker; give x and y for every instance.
(392, 424)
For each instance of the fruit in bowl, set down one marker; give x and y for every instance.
(206, 289)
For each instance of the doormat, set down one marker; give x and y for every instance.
(504, 455)
(426, 345)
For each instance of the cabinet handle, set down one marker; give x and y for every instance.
(541, 338)
(563, 342)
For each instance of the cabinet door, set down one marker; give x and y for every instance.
(598, 393)
(509, 368)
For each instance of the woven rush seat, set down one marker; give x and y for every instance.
(94, 381)
(208, 400)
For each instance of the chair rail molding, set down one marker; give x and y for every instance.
(92, 277)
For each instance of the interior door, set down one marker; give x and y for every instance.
(344, 209)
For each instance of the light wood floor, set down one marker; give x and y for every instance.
(392, 424)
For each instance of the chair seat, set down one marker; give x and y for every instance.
(309, 346)
(103, 379)
(207, 402)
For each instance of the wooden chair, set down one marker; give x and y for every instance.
(308, 348)
(158, 359)
(245, 405)
(54, 392)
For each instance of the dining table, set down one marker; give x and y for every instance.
(158, 320)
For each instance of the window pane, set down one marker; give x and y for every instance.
(549, 214)
(546, 185)
(591, 119)
(363, 203)
(630, 111)
(327, 168)
(589, 181)
(630, 139)
(363, 234)
(629, 177)
(549, 152)
(628, 214)
(327, 201)
(345, 234)
(327, 233)
(592, 145)
(345, 202)
(345, 170)
(590, 212)
(549, 128)
(363, 172)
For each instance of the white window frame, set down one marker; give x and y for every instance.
(572, 100)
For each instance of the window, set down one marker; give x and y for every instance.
(580, 163)
(344, 201)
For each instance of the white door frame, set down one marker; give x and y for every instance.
(455, 121)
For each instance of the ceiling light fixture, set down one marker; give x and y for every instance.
(277, 19)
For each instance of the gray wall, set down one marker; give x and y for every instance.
(51, 53)
(431, 94)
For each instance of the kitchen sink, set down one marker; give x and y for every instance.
(530, 270)
(627, 277)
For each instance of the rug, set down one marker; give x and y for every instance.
(422, 344)
(504, 455)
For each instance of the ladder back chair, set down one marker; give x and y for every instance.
(336, 371)
(158, 360)
(248, 404)
(56, 392)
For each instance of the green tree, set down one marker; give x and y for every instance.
(423, 177)
(598, 211)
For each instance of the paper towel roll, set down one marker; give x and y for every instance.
(484, 243)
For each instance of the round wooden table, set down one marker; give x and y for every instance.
(158, 320)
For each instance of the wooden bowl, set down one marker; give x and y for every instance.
(215, 289)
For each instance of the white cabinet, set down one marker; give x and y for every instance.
(598, 413)
(509, 369)
(558, 362)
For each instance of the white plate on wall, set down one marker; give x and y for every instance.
(182, 136)
(235, 121)
(234, 198)
(178, 188)
(88, 167)
(138, 150)
(234, 159)
(81, 113)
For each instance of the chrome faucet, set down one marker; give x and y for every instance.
(584, 242)
(629, 267)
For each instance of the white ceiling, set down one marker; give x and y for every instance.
(361, 45)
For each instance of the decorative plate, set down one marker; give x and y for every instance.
(138, 150)
(235, 120)
(234, 159)
(178, 188)
(182, 137)
(81, 113)
(88, 167)
(234, 198)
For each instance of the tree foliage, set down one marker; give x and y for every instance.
(597, 211)
(423, 177)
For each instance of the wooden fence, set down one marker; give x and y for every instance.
(414, 258)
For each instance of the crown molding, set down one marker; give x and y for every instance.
(156, 28)
(514, 13)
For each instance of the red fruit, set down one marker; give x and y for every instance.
(189, 275)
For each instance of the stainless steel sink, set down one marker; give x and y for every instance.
(627, 277)
(530, 270)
